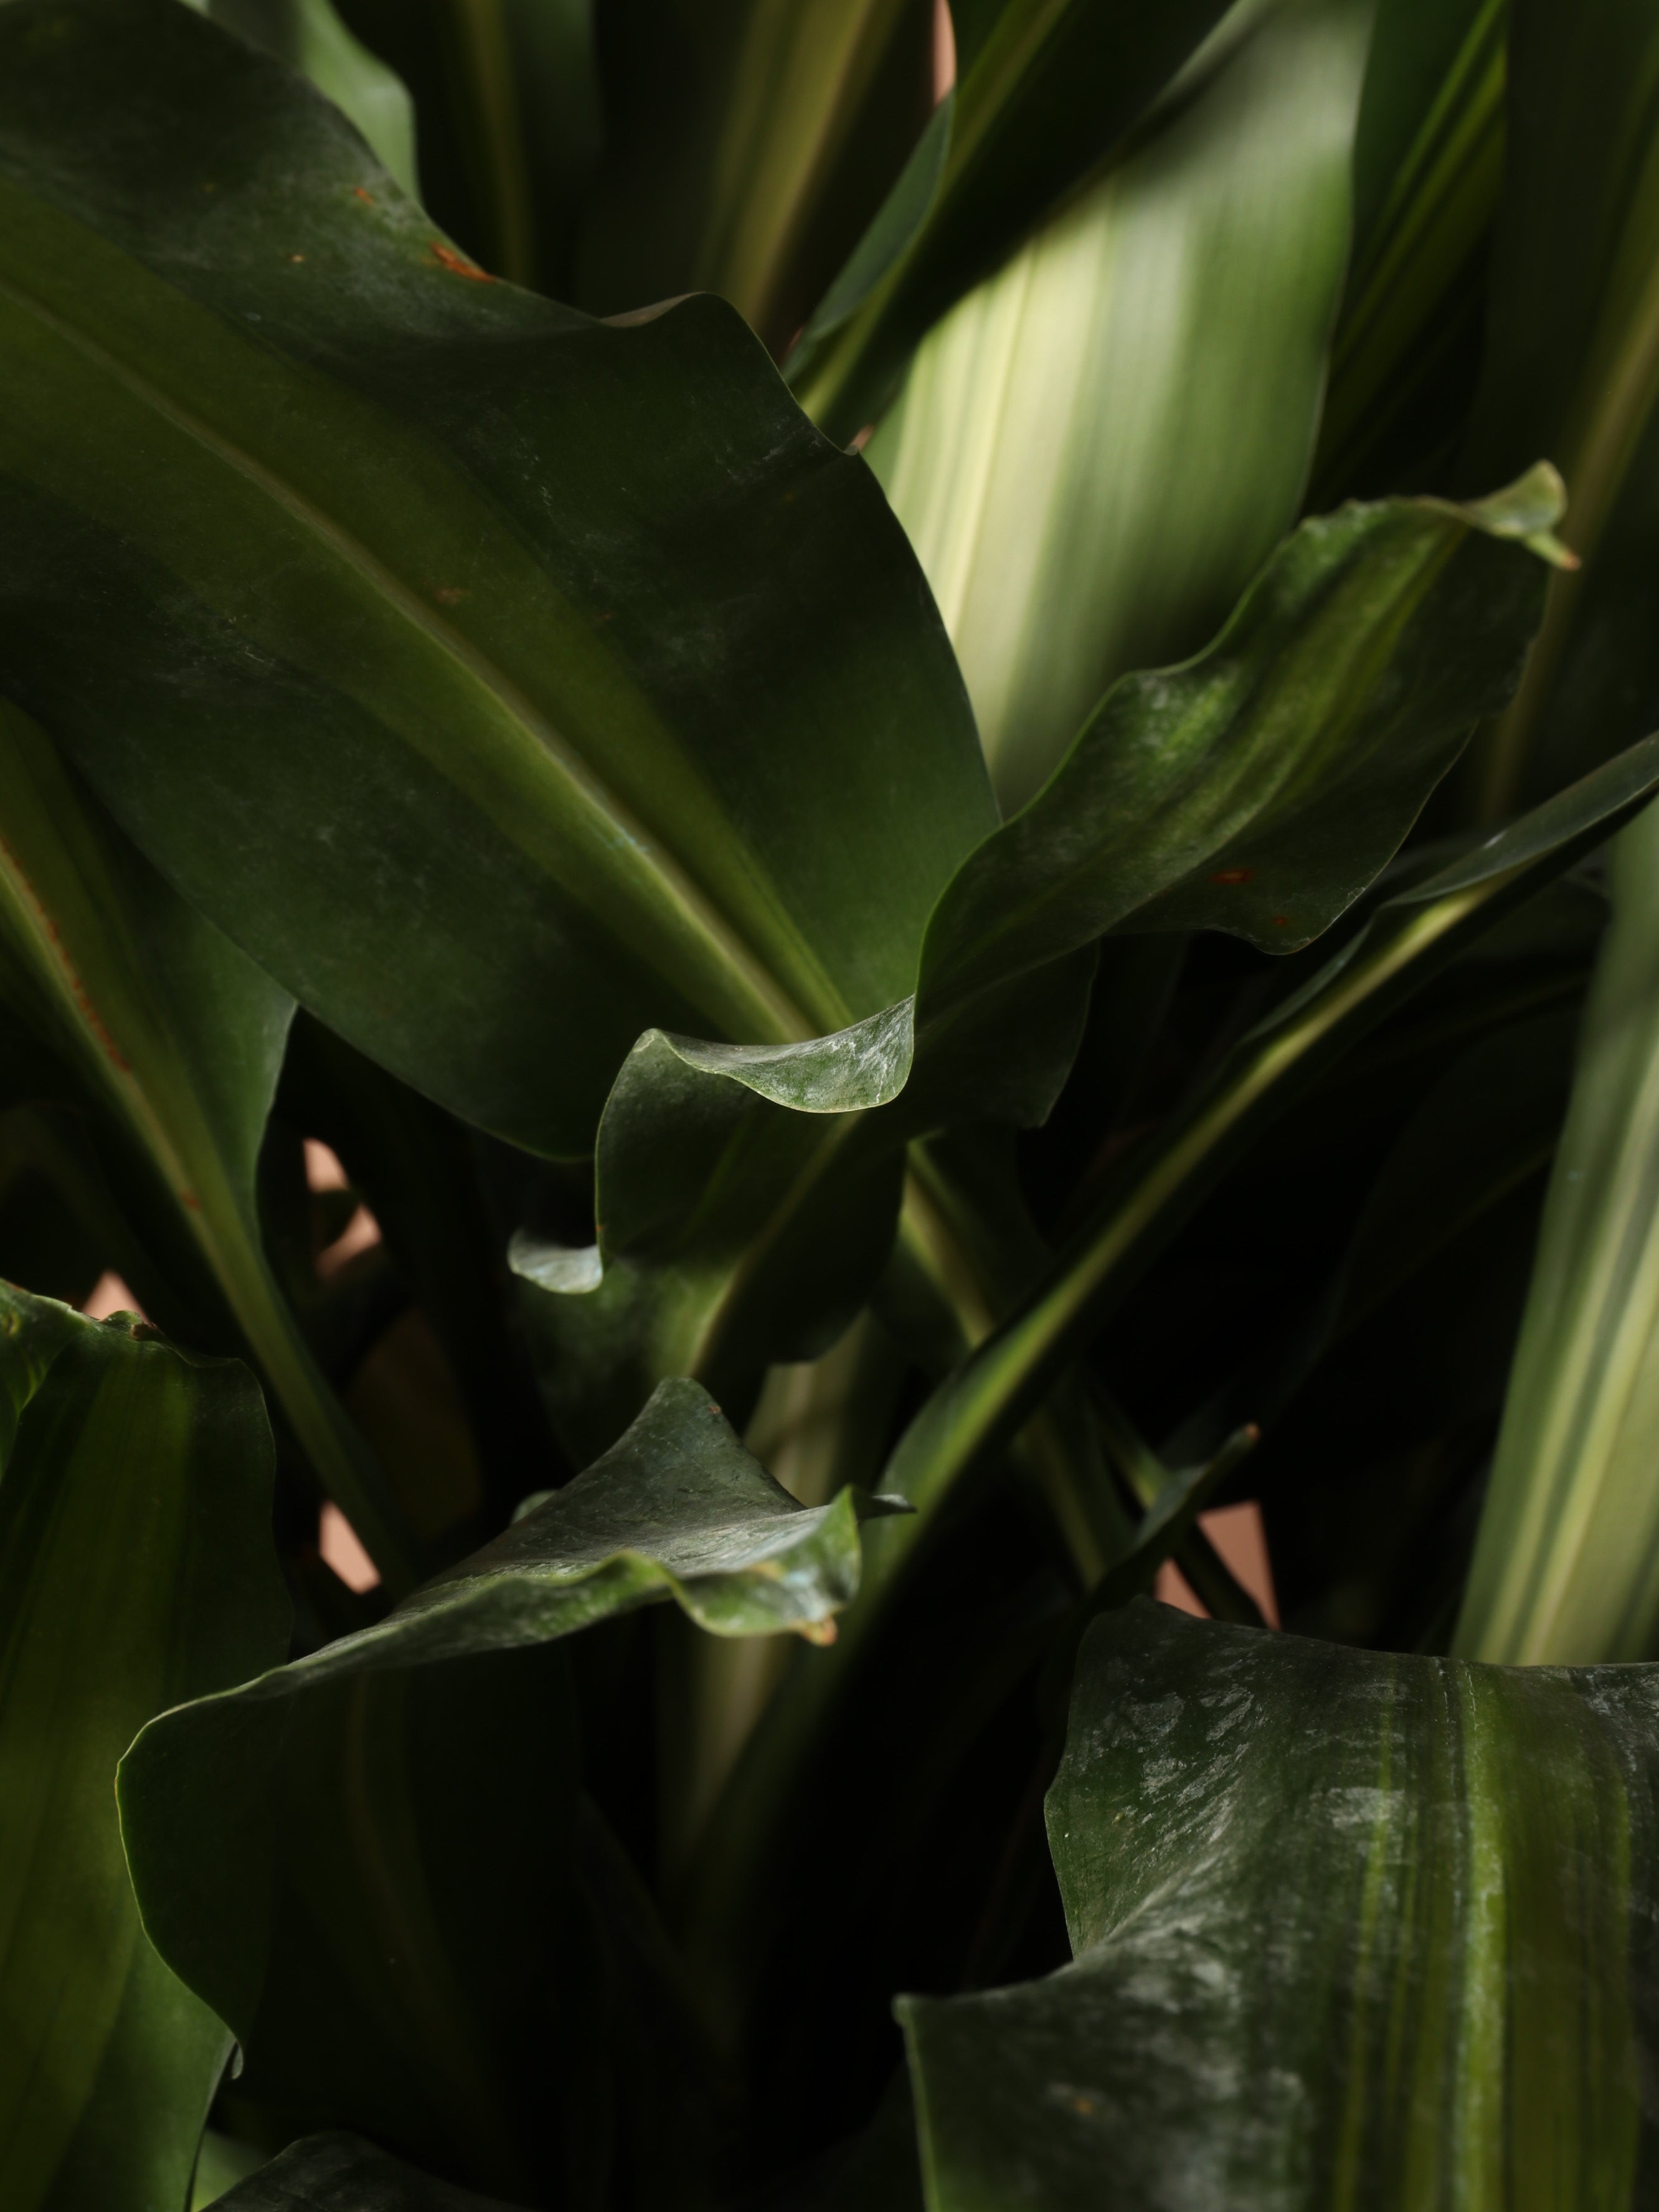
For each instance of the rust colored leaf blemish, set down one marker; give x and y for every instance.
(450, 595)
(447, 257)
(1281, 921)
(83, 997)
(358, 192)
(1232, 875)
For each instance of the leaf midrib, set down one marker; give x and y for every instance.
(622, 835)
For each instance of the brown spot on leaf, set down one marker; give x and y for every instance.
(447, 257)
(450, 595)
(358, 192)
(1232, 875)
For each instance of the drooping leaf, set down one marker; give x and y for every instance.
(598, 690)
(748, 146)
(1097, 449)
(407, 1833)
(1566, 1565)
(1347, 1927)
(338, 2172)
(181, 1037)
(137, 1571)
(310, 37)
(509, 121)
(1043, 92)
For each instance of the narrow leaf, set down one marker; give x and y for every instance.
(1566, 1565)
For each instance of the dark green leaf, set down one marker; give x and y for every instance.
(1578, 227)
(1260, 787)
(595, 679)
(1348, 1928)
(135, 1571)
(310, 37)
(339, 2172)
(179, 1037)
(1428, 170)
(509, 121)
(750, 145)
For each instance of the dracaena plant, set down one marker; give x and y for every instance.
(804, 815)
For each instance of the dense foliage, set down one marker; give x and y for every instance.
(809, 808)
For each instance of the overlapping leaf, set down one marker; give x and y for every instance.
(180, 1036)
(748, 146)
(1095, 451)
(136, 1564)
(1347, 1928)
(1044, 93)
(310, 37)
(509, 121)
(1565, 1567)
(502, 681)
(408, 1833)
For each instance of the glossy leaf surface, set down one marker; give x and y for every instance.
(181, 1037)
(1260, 787)
(1347, 1928)
(1097, 448)
(136, 1569)
(559, 601)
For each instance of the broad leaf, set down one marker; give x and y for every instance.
(1567, 1566)
(135, 1571)
(181, 1037)
(598, 688)
(1348, 1928)
(1044, 91)
(749, 146)
(1095, 451)
(746, 1197)
(408, 1834)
